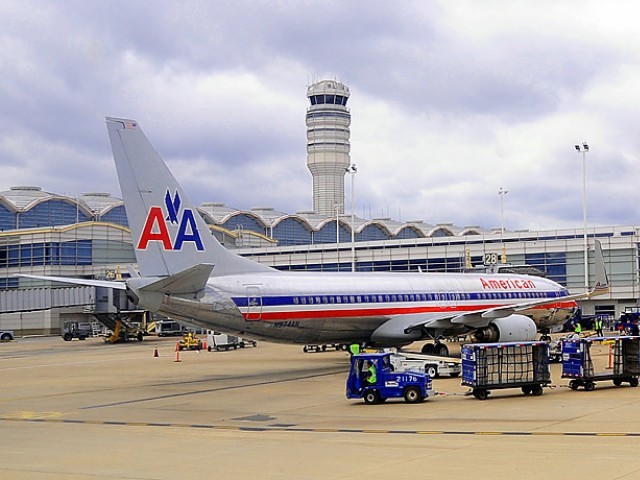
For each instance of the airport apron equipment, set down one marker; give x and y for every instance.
(373, 379)
(492, 366)
(578, 362)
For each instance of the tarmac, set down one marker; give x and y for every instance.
(89, 410)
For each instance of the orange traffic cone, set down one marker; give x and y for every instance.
(155, 352)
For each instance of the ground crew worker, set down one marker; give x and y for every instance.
(354, 348)
(598, 326)
(578, 329)
(373, 377)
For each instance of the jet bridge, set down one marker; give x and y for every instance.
(34, 299)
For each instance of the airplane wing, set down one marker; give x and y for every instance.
(77, 281)
(482, 318)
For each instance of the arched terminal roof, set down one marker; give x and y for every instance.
(28, 206)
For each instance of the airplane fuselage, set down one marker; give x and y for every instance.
(342, 307)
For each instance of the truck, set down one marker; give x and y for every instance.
(79, 330)
(490, 366)
(414, 387)
(323, 347)
(221, 341)
(167, 328)
(433, 365)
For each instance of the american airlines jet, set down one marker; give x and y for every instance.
(187, 275)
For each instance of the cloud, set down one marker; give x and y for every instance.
(450, 101)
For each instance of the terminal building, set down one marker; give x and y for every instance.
(44, 233)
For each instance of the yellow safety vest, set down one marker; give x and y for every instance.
(373, 377)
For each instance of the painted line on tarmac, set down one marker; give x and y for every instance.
(268, 428)
(306, 376)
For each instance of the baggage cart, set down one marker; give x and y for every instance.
(581, 363)
(492, 366)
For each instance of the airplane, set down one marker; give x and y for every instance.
(186, 274)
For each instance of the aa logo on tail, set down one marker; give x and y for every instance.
(156, 228)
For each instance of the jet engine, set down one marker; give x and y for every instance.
(514, 328)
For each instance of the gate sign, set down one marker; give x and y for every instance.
(490, 259)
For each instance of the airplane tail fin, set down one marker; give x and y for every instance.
(169, 236)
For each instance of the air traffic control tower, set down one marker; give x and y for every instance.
(328, 121)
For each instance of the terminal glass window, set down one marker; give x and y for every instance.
(409, 232)
(244, 222)
(51, 213)
(116, 215)
(77, 252)
(292, 231)
(554, 264)
(372, 232)
(327, 234)
(7, 219)
(441, 232)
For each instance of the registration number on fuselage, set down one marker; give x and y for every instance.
(287, 324)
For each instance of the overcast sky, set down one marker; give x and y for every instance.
(450, 100)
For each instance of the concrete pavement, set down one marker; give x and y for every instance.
(87, 410)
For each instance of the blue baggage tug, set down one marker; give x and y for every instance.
(492, 366)
(414, 387)
(578, 361)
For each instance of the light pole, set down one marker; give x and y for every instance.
(352, 169)
(584, 148)
(502, 192)
(337, 206)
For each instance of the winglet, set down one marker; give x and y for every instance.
(601, 280)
